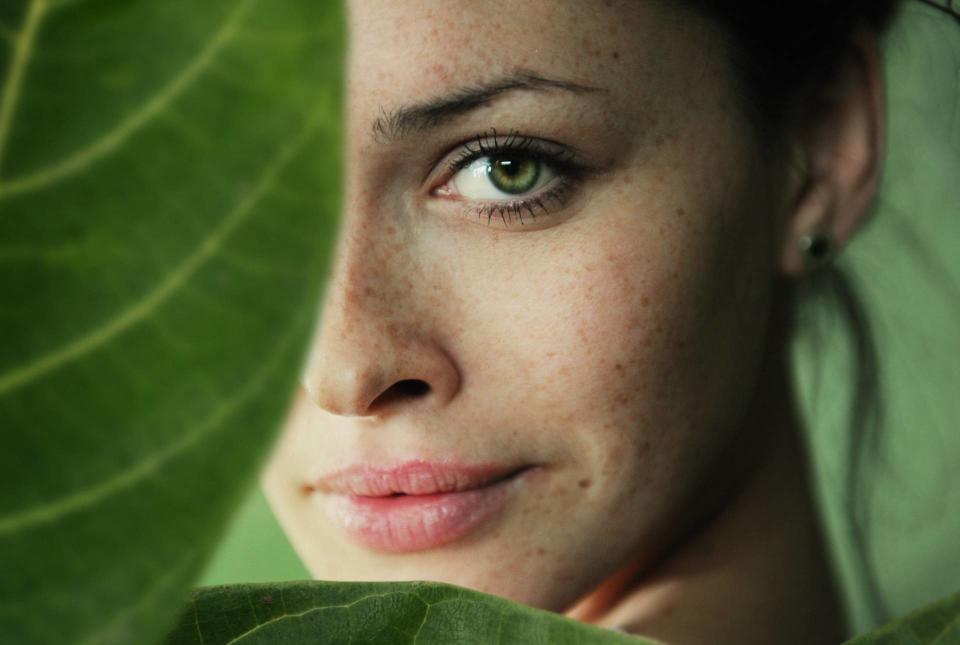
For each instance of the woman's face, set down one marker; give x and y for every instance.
(555, 265)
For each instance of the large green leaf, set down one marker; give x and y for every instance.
(938, 624)
(169, 176)
(409, 613)
(374, 613)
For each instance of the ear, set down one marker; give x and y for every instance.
(840, 158)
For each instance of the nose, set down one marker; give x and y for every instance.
(375, 352)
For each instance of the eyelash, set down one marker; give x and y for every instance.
(490, 144)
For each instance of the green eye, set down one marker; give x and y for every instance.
(504, 175)
(514, 174)
(511, 176)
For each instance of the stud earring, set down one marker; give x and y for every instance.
(817, 248)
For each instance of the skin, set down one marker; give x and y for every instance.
(629, 340)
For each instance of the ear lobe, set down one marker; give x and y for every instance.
(841, 151)
(812, 214)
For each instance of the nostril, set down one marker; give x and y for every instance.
(405, 389)
(411, 387)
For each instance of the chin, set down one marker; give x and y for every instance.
(501, 565)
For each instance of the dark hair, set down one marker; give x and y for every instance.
(782, 51)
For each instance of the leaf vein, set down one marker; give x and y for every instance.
(115, 138)
(305, 612)
(175, 280)
(426, 613)
(13, 84)
(936, 640)
(196, 622)
(143, 469)
(145, 599)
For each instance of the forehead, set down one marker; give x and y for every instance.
(402, 50)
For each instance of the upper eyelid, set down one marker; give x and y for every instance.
(563, 157)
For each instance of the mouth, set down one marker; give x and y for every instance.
(417, 505)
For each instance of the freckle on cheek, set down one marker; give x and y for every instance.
(584, 483)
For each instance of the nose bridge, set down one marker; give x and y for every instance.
(360, 274)
(370, 337)
(368, 244)
(357, 308)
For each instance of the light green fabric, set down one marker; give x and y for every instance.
(907, 264)
(908, 261)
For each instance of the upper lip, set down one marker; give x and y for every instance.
(414, 477)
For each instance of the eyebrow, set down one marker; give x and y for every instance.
(407, 120)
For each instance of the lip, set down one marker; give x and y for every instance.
(416, 505)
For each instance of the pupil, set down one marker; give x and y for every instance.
(509, 167)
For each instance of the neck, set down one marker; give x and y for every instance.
(755, 572)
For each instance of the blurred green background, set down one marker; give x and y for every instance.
(907, 263)
(255, 549)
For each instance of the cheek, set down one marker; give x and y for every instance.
(614, 334)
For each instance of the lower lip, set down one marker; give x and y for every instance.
(406, 523)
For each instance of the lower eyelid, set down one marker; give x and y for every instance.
(522, 212)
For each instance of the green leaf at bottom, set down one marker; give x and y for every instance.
(380, 613)
(936, 624)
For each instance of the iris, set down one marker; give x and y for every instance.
(513, 174)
